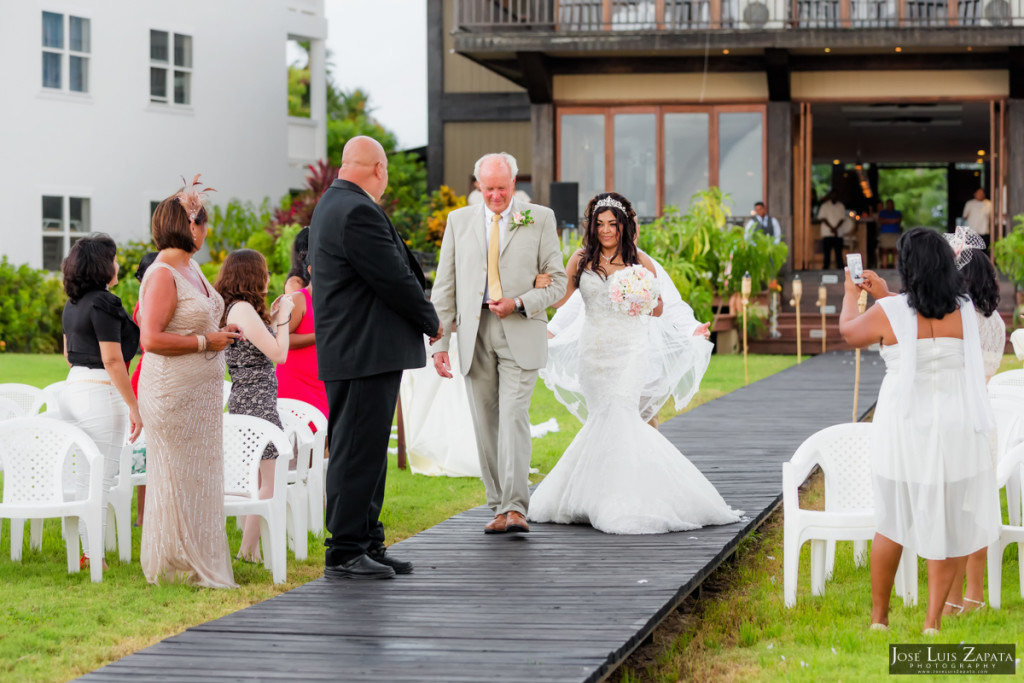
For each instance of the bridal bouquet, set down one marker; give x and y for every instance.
(633, 290)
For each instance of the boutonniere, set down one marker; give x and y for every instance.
(519, 220)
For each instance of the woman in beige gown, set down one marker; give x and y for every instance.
(182, 402)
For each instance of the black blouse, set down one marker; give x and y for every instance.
(98, 317)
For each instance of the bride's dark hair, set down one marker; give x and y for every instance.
(626, 218)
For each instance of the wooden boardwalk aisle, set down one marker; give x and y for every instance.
(559, 604)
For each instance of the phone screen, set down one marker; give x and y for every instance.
(856, 268)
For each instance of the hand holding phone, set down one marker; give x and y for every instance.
(853, 262)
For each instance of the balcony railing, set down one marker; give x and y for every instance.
(682, 15)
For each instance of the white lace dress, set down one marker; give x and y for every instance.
(619, 474)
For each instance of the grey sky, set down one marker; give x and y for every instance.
(381, 47)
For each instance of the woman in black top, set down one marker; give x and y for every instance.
(100, 341)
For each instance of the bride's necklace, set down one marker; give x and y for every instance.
(607, 258)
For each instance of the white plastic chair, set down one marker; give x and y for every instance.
(1008, 468)
(315, 487)
(9, 409)
(245, 439)
(843, 452)
(51, 395)
(28, 397)
(33, 451)
(1017, 339)
(1008, 410)
(301, 437)
(227, 392)
(1010, 378)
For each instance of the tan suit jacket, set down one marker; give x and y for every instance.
(461, 280)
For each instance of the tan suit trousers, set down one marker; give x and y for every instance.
(499, 399)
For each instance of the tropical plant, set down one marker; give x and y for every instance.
(442, 203)
(232, 224)
(1009, 253)
(31, 306)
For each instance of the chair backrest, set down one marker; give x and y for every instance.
(310, 415)
(1008, 410)
(51, 394)
(9, 409)
(34, 453)
(1017, 339)
(227, 393)
(245, 439)
(28, 397)
(296, 428)
(1013, 378)
(844, 454)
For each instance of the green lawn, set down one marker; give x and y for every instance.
(740, 629)
(54, 626)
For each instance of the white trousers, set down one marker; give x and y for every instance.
(90, 402)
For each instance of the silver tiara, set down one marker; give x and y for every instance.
(609, 201)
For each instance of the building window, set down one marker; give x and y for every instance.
(65, 221)
(662, 155)
(66, 49)
(170, 68)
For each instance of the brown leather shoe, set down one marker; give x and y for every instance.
(496, 525)
(515, 522)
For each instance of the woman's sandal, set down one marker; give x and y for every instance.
(247, 560)
(959, 609)
(877, 626)
(930, 632)
(979, 603)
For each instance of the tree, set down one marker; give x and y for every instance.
(920, 193)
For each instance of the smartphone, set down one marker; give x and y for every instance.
(856, 268)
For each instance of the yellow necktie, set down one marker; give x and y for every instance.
(493, 247)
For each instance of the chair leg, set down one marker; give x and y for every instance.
(830, 558)
(790, 565)
(818, 550)
(1013, 500)
(906, 578)
(298, 535)
(123, 514)
(109, 535)
(17, 539)
(860, 553)
(70, 525)
(278, 549)
(266, 540)
(35, 536)
(995, 574)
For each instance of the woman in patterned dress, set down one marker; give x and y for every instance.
(242, 281)
(181, 398)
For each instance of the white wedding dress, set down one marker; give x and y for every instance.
(619, 474)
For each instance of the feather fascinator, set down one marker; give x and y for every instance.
(191, 197)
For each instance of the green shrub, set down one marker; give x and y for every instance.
(233, 224)
(1009, 253)
(31, 305)
(128, 256)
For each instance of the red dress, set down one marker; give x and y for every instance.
(142, 353)
(297, 376)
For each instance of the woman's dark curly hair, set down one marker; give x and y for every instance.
(928, 272)
(591, 249)
(981, 283)
(300, 251)
(243, 277)
(89, 266)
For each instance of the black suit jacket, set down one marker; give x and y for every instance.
(370, 309)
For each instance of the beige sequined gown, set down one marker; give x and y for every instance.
(181, 399)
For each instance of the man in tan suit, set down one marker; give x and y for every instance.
(491, 255)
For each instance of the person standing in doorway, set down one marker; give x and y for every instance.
(890, 222)
(834, 220)
(978, 214)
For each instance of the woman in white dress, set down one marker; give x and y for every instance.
(932, 471)
(619, 474)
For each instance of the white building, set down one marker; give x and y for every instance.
(107, 103)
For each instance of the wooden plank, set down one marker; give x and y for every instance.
(563, 603)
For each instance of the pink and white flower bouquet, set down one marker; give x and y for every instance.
(633, 290)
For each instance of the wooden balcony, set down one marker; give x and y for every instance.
(573, 16)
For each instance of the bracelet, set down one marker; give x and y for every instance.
(201, 339)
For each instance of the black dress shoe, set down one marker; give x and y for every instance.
(361, 567)
(381, 556)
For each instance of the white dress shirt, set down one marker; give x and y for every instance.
(756, 222)
(836, 214)
(978, 215)
(503, 230)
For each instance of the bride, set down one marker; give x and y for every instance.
(619, 474)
